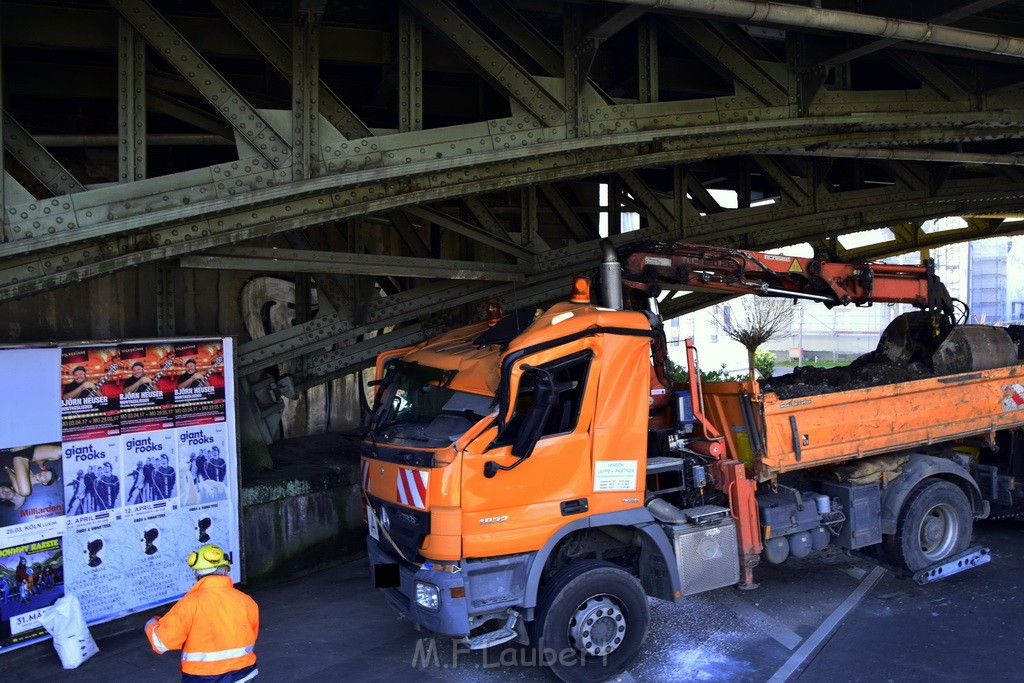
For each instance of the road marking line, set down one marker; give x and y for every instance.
(767, 624)
(827, 627)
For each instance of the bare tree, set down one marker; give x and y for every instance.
(763, 319)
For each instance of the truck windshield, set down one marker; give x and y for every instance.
(418, 408)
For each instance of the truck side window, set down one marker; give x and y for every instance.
(570, 374)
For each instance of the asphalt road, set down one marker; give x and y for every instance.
(829, 617)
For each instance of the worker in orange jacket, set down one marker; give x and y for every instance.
(214, 624)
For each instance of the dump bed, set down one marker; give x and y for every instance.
(796, 433)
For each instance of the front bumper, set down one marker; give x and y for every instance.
(452, 615)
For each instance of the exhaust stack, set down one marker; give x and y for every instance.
(611, 276)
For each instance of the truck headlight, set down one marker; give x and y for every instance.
(428, 596)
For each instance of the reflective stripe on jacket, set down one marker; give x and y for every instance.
(214, 625)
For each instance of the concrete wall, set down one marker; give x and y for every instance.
(306, 512)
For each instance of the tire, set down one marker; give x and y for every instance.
(591, 620)
(934, 523)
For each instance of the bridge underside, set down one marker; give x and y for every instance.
(330, 179)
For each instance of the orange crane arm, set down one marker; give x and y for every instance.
(652, 266)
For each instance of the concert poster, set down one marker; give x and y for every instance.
(31, 580)
(153, 567)
(199, 394)
(151, 475)
(93, 473)
(90, 391)
(147, 387)
(204, 472)
(95, 549)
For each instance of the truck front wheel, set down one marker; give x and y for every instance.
(935, 523)
(592, 618)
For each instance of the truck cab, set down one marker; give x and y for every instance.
(506, 462)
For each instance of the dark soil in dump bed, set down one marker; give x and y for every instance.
(870, 370)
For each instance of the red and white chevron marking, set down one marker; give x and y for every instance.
(412, 487)
(364, 468)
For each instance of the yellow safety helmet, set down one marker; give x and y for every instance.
(208, 557)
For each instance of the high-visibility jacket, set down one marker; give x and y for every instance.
(214, 625)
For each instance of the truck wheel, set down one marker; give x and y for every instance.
(591, 620)
(935, 522)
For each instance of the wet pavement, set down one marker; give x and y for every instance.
(829, 617)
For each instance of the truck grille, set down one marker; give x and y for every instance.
(406, 528)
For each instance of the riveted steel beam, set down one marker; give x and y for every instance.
(525, 34)
(658, 214)
(343, 359)
(615, 22)
(131, 110)
(306, 161)
(20, 274)
(410, 72)
(268, 43)
(334, 293)
(915, 240)
(223, 206)
(328, 365)
(484, 54)
(391, 153)
(530, 38)
(701, 197)
(647, 59)
(795, 191)
(577, 58)
(727, 49)
(164, 301)
(220, 94)
(407, 232)
(163, 103)
(301, 261)
(39, 162)
(528, 223)
(573, 222)
(928, 71)
(326, 331)
(49, 227)
(64, 220)
(471, 231)
(905, 234)
(485, 218)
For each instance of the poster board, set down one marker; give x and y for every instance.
(117, 460)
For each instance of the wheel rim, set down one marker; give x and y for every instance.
(598, 626)
(939, 532)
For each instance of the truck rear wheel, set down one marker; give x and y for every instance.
(591, 620)
(935, 523)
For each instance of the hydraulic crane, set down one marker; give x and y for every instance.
(925, 336)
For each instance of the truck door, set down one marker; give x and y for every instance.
(526, 497)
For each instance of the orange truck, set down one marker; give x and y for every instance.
(536, 477)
